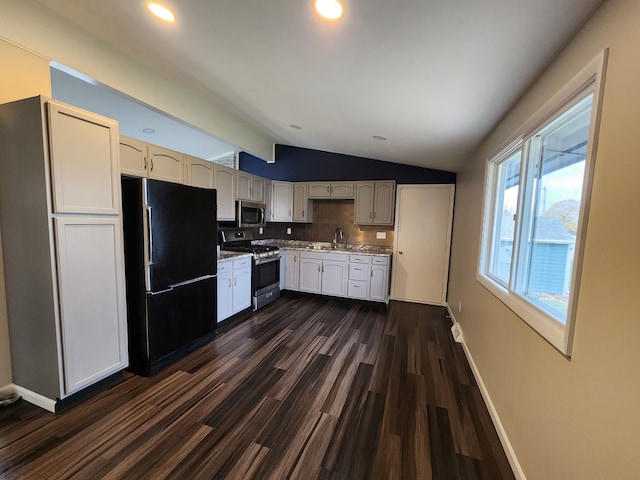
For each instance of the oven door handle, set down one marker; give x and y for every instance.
(262, 261)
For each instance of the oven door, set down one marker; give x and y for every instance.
(266, 275)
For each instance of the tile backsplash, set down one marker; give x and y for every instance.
(327, 216)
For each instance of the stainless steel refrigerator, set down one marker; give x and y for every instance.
(170, 238)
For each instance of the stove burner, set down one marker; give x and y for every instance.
(257, 250)
(251, 248)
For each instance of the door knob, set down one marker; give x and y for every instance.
(400, 252)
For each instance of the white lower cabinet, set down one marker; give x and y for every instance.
(290, 271)
(324, 273)
(359, 276)
(241, 284)
(234, 286)
(379, 284)
(334, 276)
(225, 290)
(369, 277)
(92, 312)
(310, 274)
(358, 284)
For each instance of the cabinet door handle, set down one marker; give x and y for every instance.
(329, 189)
(371, 273)
(229, 283)
(235, 281)
(144, 160)
(151, 160)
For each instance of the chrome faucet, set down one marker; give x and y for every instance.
(337, 234)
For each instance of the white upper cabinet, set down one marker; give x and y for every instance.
(331, 190)
(84, 161)
(141, 159)
(225, 183)
(281, 201)
(375, 203)
(250, 187)
(133, 157)
(302, 206)
(200, 173)
(165, 164)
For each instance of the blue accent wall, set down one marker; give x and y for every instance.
(295, 164)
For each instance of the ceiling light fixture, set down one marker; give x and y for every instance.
(330, 9)
(161, 12)
(149, 130)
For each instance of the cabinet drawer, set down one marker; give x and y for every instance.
(357, 289)
(358, 272)
(242, 262)
(380, 260)
(224, 267)
(359, 258)
(319, 255)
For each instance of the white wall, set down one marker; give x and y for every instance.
(29, 25)
(577, 418)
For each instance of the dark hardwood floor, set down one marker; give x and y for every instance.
(307, 388)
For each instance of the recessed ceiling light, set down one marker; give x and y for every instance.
(379, 137)
(149, 130)
(331, 9)
(295, 127)
(162, 12)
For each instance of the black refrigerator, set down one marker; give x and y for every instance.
(170, 238)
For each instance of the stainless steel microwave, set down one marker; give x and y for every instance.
(250, 214)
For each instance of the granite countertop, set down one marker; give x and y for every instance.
(347, 248)
(225, 255)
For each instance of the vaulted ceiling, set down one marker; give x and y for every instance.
(431, 76)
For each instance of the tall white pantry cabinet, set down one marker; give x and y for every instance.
(60, 208)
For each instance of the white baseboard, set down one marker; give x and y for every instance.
(31, 397)
(495, 418)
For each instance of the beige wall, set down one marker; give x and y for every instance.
(23, 75)
(578, 418)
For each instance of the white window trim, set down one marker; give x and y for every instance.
(589, 79)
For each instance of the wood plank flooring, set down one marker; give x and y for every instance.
(306, 388)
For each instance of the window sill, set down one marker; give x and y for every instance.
(546, 326)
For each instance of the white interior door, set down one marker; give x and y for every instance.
(424, 216)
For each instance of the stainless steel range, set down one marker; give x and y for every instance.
(265, 272)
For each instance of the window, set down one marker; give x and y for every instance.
(536, 203)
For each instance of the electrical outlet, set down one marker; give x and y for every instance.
(459, 307)
(288, 230)
(381, 235)
(261, 231)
